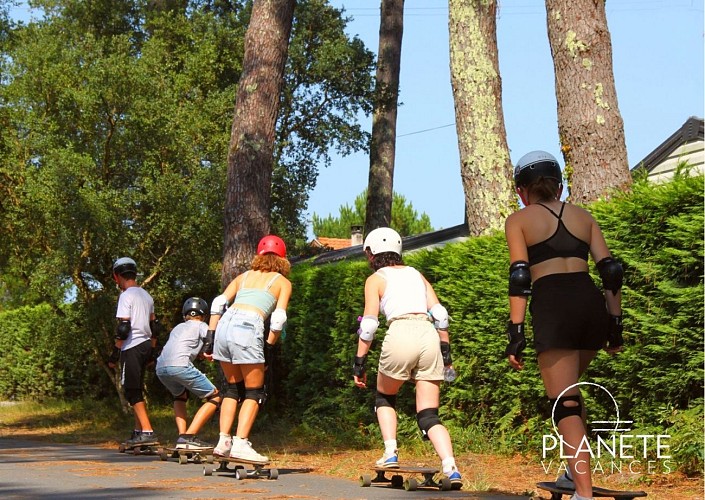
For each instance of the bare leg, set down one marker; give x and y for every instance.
(180, 415)
(386, 415)
(561, 368)
(141, 419)
(202, 416)
(254, 378)
(228, 408)
(428, 396)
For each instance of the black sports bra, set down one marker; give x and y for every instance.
(561, 243)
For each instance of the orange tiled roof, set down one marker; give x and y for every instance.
(334, 243)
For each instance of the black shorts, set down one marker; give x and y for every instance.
(134, 361)
(568, 311)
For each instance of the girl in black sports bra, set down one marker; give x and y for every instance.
(571, 318)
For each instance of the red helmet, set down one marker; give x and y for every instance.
(272, 244)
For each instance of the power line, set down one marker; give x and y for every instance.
(427, 130)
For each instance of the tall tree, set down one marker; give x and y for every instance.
(251, 152)
(384, 118)
(405, 220)
(485, 167)
(590, 125)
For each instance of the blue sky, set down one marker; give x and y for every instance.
(658, 64)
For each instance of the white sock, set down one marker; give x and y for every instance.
(390, 446)
(448, 464)
(578, 497)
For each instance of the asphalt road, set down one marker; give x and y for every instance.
(30, 469)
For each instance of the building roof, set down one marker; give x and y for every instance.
(690, 131)
(334, 243)
(409, 243)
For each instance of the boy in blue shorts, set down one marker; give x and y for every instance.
(176, 370)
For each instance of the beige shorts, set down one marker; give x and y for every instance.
(411, 350)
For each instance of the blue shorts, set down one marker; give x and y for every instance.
(239, 338)
(180, 378)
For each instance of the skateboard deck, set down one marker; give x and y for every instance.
(409, 478)
(242, 469)
(140, 449)
(597, 492)
(185, 456)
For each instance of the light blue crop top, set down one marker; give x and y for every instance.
(260, 298)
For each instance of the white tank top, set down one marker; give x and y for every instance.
(405, 292)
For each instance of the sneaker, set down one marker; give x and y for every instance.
(455, 477)
(563, 481)
(242, 449)
(389, 461)
(134, 434)
(191, 442)
(144, 439)
(224, 446)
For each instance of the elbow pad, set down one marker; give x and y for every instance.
(368, 327)
(157, 328)
(519, 279)
(611, 273)
(440, 317)
(123, 329)
(277, 321)
(219, 305)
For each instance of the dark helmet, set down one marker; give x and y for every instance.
(124, 265)
(536, 164)
(194, 306)
(272, 244)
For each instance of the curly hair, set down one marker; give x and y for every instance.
(271, 263)
(385, 259)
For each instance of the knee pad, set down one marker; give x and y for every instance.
(215, 399)
(235, 391)
(389, 400)
(133, 396)
(426, 419)
(182, 397)
(561, 411)
(257, 394)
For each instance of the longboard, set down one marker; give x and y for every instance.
(139, 449)
(416, 477)
(597, 492)
(184, 455)
(243, 468)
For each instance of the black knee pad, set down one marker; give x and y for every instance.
(235, 391)
(426, 419)
(215, 399)
(133, 396)
(562, 411)
(382, 399)
(257, 394)
(182, 397)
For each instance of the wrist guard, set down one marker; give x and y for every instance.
(268, 353)
(445, 352)
(208, 342)
(359, 366)
(114, 357)
(517, 341)
(614, 332)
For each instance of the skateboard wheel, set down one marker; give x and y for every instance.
(163, 456)
(121, 448)
(209, 459)
(445, 484)
(411, 484)
(365, 481)
(136, 450)
(240, 474)
(397, 481)
(183, 459)
(556, 496)
(208, 470)
(273, 473)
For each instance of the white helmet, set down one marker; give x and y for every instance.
(124, 265)
(383, 239)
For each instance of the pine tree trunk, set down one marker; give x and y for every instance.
(250, 156)
(485, 166)
(590, 125)
(384, 118)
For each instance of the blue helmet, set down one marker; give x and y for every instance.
(536, 164)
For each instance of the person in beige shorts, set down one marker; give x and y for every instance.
(416, 347)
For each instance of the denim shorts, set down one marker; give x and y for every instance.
(180, 378)
(239, 338)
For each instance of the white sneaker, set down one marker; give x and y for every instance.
(389, 460)
(242, 449)
(224, 446)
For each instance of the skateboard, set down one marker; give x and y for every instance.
(411, 483)
(183, 455)
(140, 449)
(243, 468)
(597, 492)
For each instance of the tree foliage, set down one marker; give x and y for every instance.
(405, 220)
